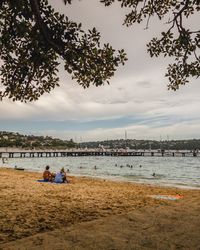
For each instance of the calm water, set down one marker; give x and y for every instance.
(183, 172)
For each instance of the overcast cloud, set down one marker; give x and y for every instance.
(136, 101)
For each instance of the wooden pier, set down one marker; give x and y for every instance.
(17, 153)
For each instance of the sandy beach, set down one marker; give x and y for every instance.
(94, 214)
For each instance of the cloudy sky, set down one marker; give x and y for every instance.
(137, 100)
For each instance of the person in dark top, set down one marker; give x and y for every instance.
(47, 175)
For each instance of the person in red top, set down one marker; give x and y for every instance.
(47, 175)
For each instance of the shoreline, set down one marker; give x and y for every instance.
(29, 208)
(123, 180)
(120, 179)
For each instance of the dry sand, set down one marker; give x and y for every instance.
(94, 214)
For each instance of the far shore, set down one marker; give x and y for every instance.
(31, 212)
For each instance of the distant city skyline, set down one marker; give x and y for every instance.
(136, 101)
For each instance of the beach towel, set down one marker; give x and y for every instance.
(43, 181)
(51, 182)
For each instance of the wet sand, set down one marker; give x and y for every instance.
(94, 214)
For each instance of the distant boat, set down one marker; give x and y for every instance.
(16, 168)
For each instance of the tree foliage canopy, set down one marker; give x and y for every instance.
(179, 41)
(33, 39)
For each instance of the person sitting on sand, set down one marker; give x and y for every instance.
(61, 176)
(47, 175)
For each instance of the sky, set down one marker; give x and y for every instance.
(136, 101)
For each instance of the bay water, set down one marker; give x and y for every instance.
(183, 172)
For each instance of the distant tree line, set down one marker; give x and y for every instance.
(191, 144)
(10, 139)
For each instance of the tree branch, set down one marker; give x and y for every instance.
(35, 6)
